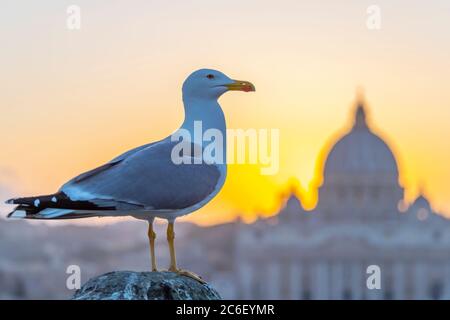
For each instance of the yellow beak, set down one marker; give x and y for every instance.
(239, 85)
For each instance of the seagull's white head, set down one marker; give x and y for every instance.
(211, 84)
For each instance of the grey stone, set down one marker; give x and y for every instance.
(128, 285)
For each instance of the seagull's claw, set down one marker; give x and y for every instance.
(189, 274)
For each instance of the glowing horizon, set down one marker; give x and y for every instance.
(73, 100)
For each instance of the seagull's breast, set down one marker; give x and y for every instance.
(172, 214)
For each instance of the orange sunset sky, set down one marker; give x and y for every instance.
(73, 99)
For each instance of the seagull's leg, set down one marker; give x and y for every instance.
(173, 260)
(151, 238)
(171, 241)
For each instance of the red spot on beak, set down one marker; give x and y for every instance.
(247, 88)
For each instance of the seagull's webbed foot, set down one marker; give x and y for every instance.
(189, 274)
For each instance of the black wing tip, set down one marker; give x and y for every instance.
(11, 201)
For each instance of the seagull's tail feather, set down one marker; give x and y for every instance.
(55, 206)
(25, 212)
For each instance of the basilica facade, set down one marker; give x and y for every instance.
(360, 224)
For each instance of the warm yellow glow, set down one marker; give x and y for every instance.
(72, 100)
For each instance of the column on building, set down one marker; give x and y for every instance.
(337, 280)
(357, 280)
(295, 281)
(399, 281)
(447, 281)
(321, 280)
(273, 281)
(245, 282)
(420, 278)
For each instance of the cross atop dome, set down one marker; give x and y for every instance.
(421, 188)
(360, 113)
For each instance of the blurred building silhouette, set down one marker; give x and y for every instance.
(360, 220)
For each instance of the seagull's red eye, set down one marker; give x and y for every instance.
(210, 76)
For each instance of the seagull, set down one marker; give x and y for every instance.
(150, 181)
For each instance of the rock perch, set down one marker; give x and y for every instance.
(128, 285)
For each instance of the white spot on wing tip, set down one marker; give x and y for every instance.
(37, 202)
(54, 199)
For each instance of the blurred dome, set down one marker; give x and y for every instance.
(360, 177)
(360, 152)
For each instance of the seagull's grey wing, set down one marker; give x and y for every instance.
(150, 178)
(131, 152)
(110, 164)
